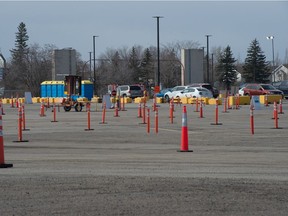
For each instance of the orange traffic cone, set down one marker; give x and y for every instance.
(116, 110)
(42, 109)
(2, 160)
(12, 102)
(184, 134)
(139, 111)
(1, 108)
(20, 126)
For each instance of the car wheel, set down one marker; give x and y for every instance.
(78, 107)
(67, 108)
(167, 98)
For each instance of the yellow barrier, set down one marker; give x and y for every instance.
(185, 100)
(212, 101)
(126, 100)
(82, 99)
(96, 100)
(6, 101)
(159, 100)
(193, 100)
(243, 100)
(113, 99)
(36, 100)
(140, 99)
(270, 98)
(58, 100)
(21, 100)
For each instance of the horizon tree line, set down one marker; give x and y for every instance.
(32, 64)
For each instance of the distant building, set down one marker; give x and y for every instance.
(280, 73)
(63, 63)
(192, 66)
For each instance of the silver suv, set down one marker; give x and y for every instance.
(132, 91)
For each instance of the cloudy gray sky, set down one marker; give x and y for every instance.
(128, 23)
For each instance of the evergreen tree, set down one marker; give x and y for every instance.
(134, 65)
(146, 73)
(256, 67)
(21, 47)
(115, 66)
(19, 66)
(225, 70)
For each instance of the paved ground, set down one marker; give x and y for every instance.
(120, 169)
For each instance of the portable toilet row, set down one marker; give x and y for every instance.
(57, 89)
(52, 89)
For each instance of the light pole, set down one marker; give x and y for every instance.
(212, 68)
(208, 79)
(273, 65)
(158, 51)
(90, 66)
(94, 65)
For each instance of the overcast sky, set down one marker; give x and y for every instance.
(128, 23)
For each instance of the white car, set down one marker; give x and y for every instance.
(168, 95)
(241, 91)
(194, 92)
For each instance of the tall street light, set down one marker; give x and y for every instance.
(90, 66)
(273, 65)
(94, 65)
(90, 58)
(208, 79)
(158, 50)
(212, 68)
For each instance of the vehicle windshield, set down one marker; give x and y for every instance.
(268, 87)
(135, 88)
(207, 87)
(203, 90)
(165, 90)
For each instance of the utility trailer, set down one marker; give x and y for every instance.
(72, 88)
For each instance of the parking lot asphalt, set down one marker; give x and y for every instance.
(118, 168)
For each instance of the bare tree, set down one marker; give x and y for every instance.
(39, 67)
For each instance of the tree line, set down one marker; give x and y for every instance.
(30, 65)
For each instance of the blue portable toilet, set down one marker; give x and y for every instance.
(60, 89)
(54, 90)
(44, 89)
(87, 89)
(49, 89)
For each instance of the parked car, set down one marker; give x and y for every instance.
(194, 92)
(131, 91)
(241, 91)
(282, 86)
(261, 89)
(168, 95)
(213, 90)
(162, 92)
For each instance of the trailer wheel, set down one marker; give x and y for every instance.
(78, 107)
(67, 108)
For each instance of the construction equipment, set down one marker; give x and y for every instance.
(72, 88)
